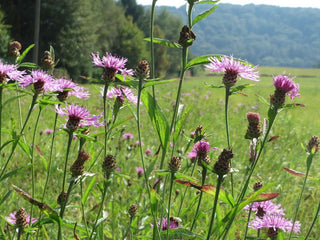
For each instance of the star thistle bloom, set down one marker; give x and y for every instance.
(112, 65)
(284, 86)
(273, 223)
(9, 71)
(122, 93)
(173, 223)
(13, 219)
(78, 117)
(40, 80)
(233, 69)
(66, 88)
(265, 207)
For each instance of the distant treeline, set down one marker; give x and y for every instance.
(262, 34)
(75, 28)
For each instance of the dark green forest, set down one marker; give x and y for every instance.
(261, 34)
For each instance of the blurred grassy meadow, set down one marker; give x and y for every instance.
(293, 126)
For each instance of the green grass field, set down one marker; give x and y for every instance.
(293, 126)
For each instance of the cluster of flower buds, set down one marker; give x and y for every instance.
(174, 164)
(14, 49)
(254, 128)
(77, 168)
(186, 36)
(222, 166)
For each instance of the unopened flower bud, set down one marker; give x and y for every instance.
(175, 164)
(61, 198)
(186, 36)
(313, 145)
(47, 61)
(222, 166)
(21, 219)
(257, 186)
(14, 49)
(77, 168)
(142, 71)
(254, 128)
(133, 210)
(109, 164)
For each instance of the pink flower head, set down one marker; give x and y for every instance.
(9, 71)
(12, 218)
(265, 207)
(139, 171)
(48, 131)
(122, 93)
(117, 64)
(40, 80)
(148, 152)
(78, 117)
(232, 67)
(273, 223)
(66, 88)
(173, 223)
(127, 136)
(287, 85)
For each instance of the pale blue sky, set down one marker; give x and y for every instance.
(283, 3)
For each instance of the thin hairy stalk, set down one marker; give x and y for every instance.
(50, 156)
(190, 14)
(106, 85)
(82, 208)
(142, 156)
(248, 220)
(204, 174)
(313, 222)
(32, 162)
(105, 188)
(152, 65)
(65, 200)
(19, 106)
(185, 191)
(219, 182)
(15, 143)
(169, 203)
(299, 201)
(70, 135)
(273, 113)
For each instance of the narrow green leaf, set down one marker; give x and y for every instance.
(120, 122)
(215, 86)
(263, 100)
(161, 172)
(29, 65)
(153, 200)
(293, 105)
(164, 42)
(158, 119)
(6, 143)
(184, 176)
(153, 83)
(201, 60)
(86, 193)
(52, 53)
(203, 15)
(240, 88)
(25, 148)
(45, 102)
(23, 55)
(5, 196)
(207, 2)
(297, 174)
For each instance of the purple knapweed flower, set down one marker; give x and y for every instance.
(79, 116)
(127, 136)
(148, 152)
(9, 71)
(173, 223)
(265, 207)
(139, 171)
(40, 80)
(273, 223)
(112, 65)
(122, 93)
(48, 131)
(12, 218)
(287, 85)
(233, 69)
(66, 88)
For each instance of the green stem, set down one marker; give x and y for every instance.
(204, 174)
(248, 220)
(142, 156)
(82, 208)
(50, 157)
(32, 162)
(272, 116)
(219, 182)
(105, 188)
(15, 143)
(106, 85)
(65, 200)
(190, 14)
(169, 203)
(313, 222)
(299, 200)
(152, 65)
(185, 191)
(65, 172)
(1, 91)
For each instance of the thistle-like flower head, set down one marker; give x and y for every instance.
(40, 80)
(66, 88)
(9, 71)
(287, 85)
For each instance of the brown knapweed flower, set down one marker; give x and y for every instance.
(186, 36)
